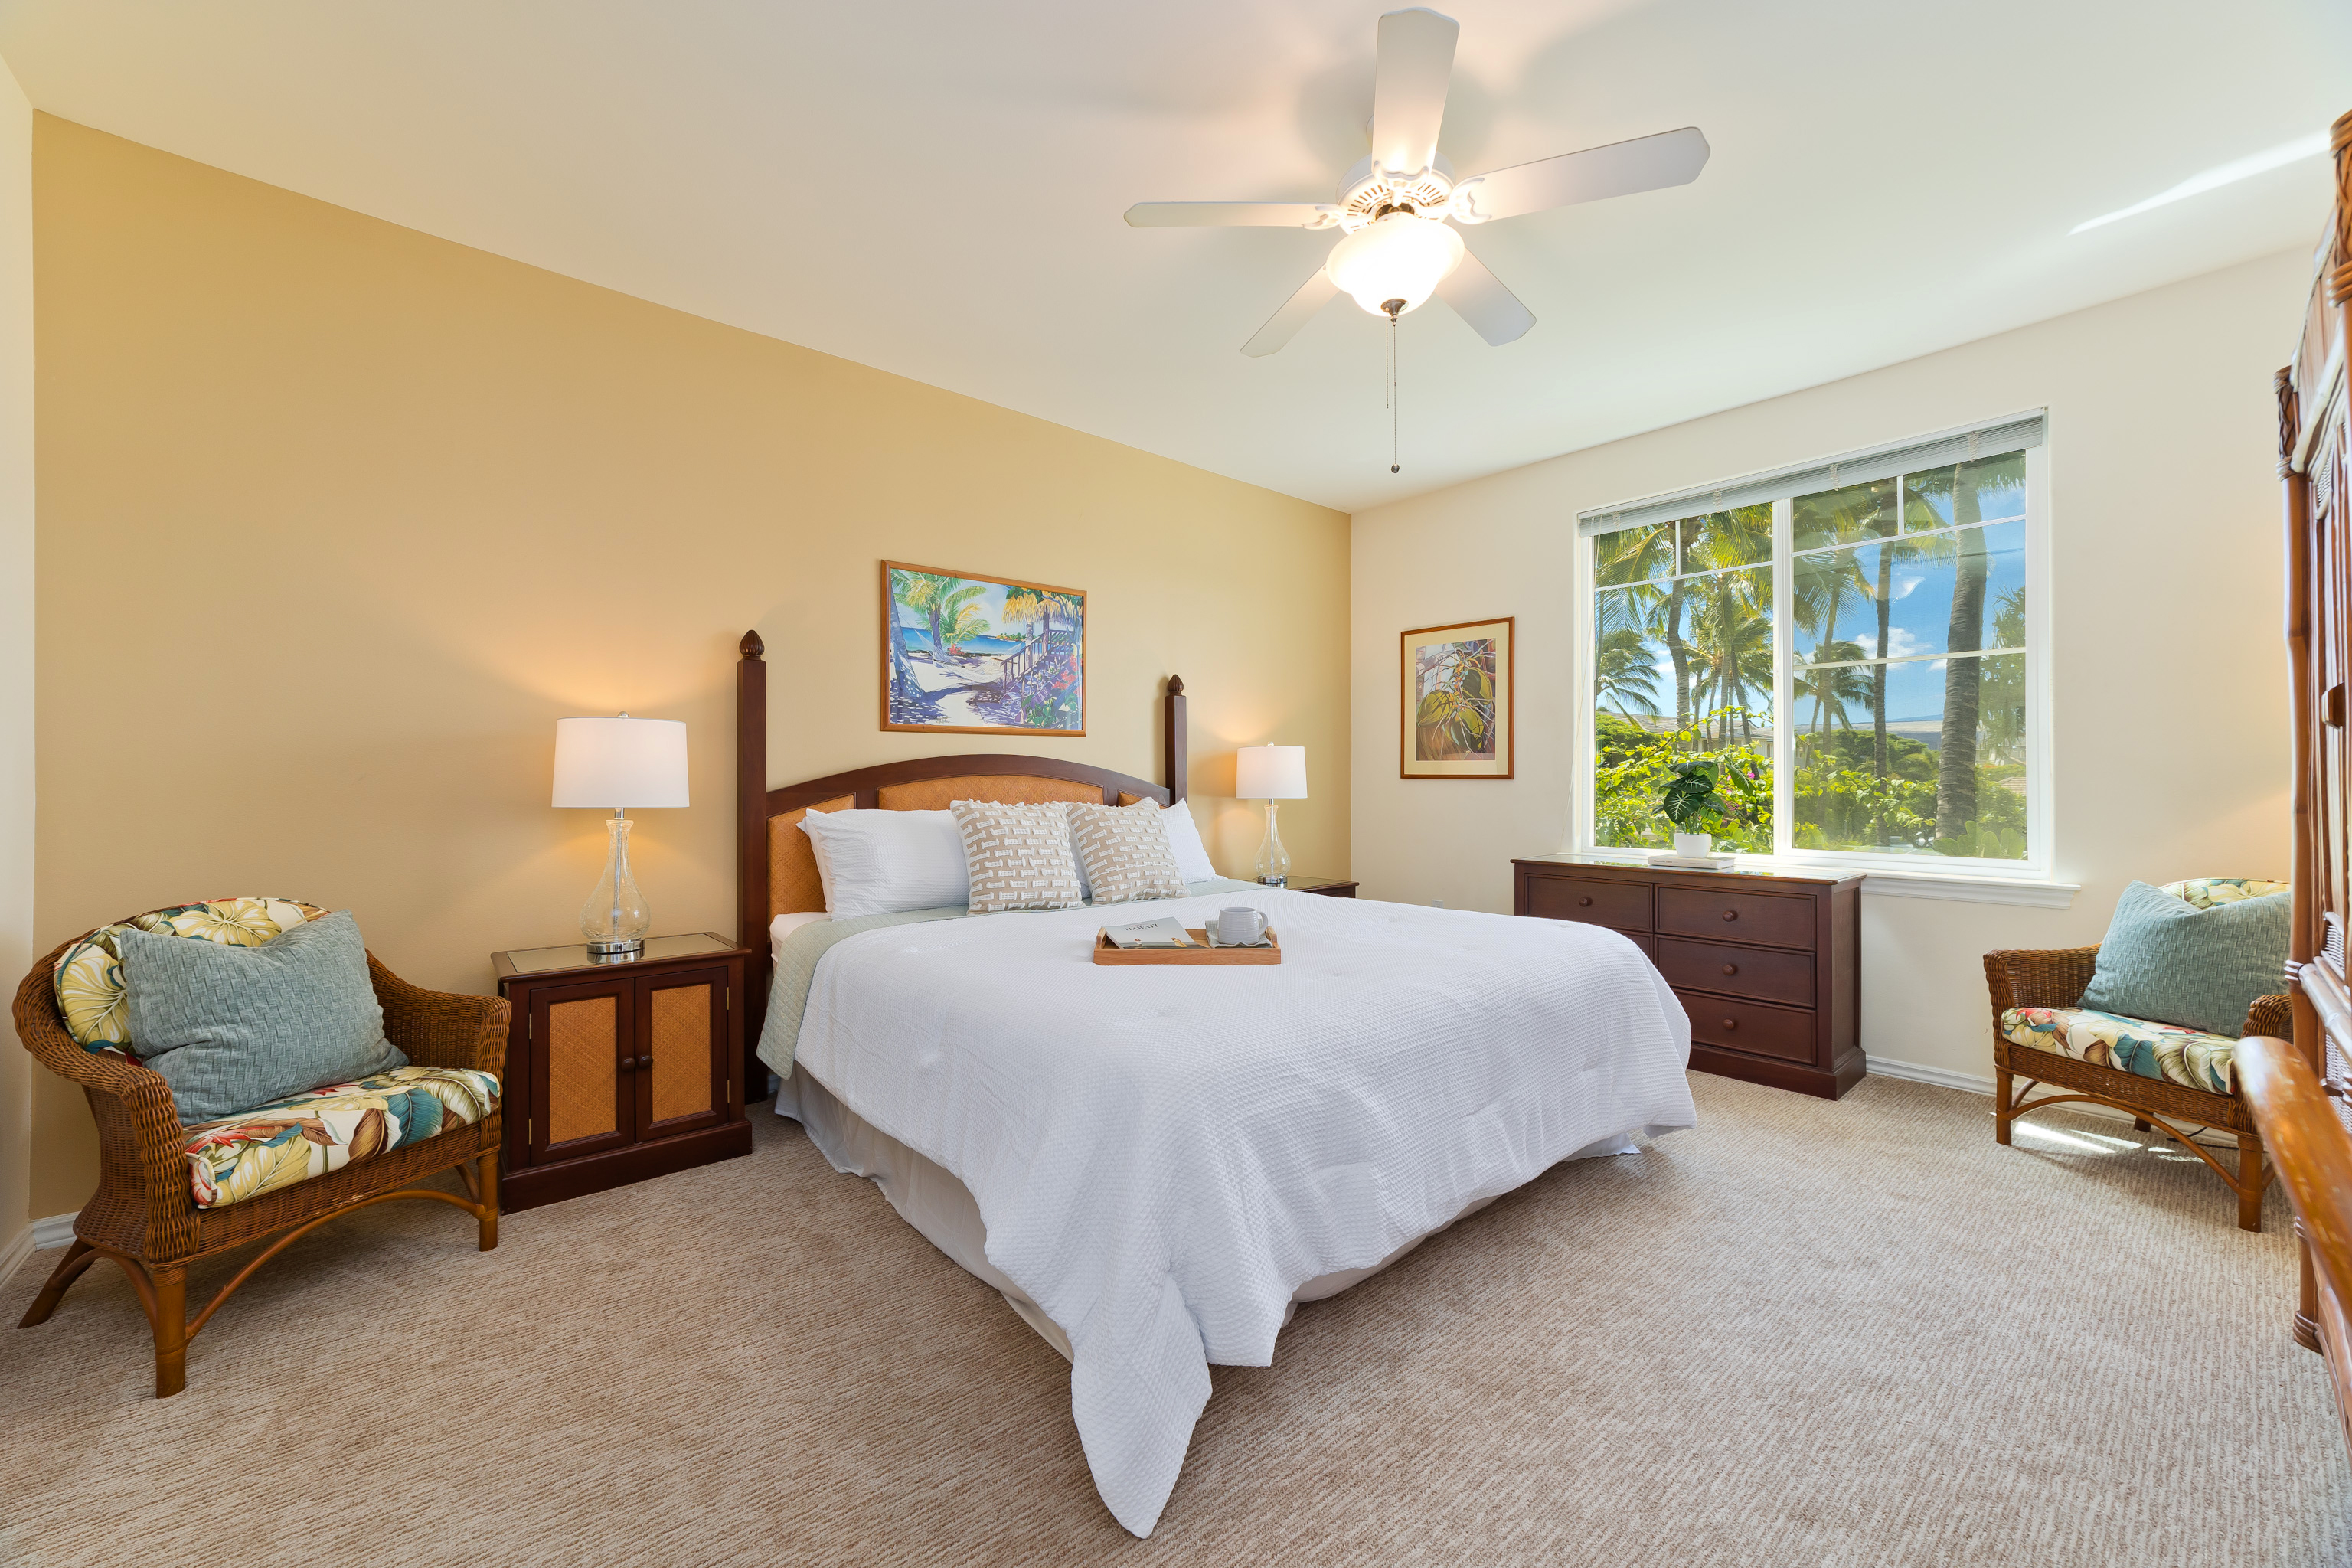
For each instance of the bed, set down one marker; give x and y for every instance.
(1156, 1164)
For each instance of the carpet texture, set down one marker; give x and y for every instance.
(1801, 1333)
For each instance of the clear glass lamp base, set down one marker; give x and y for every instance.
(1273, 859)
(614, 919)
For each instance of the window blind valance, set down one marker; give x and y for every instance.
(1938, 451)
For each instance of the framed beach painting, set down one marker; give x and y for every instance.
(965, 654)
(1456, 713)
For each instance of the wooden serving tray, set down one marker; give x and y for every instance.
(1107, 952)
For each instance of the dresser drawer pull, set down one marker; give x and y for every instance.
(1731, 914)
(1731, 969)
(1731, 1023)
(1585, 902)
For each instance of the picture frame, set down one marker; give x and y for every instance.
(968, 653)
(1457, 702)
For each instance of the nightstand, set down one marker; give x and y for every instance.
(622, 1069)
(1329, 886)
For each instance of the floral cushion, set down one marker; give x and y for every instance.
(89, 975)
(2162, 1051)
(2204, 892)
(305, 1135)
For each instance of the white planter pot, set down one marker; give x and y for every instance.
(1694, 846)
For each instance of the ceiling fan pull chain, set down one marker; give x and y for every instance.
(1394, 311)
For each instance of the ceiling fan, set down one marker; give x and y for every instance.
(1397, 206)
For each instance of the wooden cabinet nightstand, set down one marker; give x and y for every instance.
(620, 1070)
(1329, 886)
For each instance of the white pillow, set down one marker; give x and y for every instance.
(1185, 843)
(885, 862)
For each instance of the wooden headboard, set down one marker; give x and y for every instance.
(776, 874)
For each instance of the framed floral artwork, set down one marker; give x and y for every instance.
(966, 654)
(1455, 712)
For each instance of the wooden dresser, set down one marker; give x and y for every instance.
(1768, 965)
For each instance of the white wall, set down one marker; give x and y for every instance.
(15, 645)
(2171, 753)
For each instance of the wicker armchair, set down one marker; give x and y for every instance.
(144, 1215)
(2057, 977)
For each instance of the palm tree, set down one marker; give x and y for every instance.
(1632, 556)
(1956, 765)
(1621, 669)
(1733, 635)
(937, 599)
(1831, 683)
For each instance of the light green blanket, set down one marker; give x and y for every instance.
(805, 949)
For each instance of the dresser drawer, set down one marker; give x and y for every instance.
(1736, 917)
(1739, 971)
(1755, 1028)
(1624, 905)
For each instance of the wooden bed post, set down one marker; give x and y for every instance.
(1173, 735)
(751, 849)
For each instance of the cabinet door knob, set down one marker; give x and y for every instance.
(1731, 914)
(1731, 969)
(1731, 1023)
(1585, 902)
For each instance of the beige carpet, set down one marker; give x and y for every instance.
(1800, 1333)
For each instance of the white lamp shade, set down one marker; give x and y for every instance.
(1400, 257)
(620, 763)
(1270, 772)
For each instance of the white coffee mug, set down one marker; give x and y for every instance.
(1239, 927)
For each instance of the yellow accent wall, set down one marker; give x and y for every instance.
(336, 518)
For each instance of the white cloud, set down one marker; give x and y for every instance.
(1902, 580)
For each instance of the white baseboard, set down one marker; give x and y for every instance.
(1944, 1078)
(18, 1249)
(54, 1231)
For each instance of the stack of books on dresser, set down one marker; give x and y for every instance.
(1667, 860)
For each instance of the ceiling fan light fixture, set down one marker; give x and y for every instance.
(1400, 257)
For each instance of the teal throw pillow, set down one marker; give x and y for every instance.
(234, 1028)
(2168, 962)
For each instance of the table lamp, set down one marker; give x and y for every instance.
(1271, 773)
(616, 763)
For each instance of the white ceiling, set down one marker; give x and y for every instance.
(935, 187)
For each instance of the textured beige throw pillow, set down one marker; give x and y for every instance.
(1018, 856)
(1125, 853)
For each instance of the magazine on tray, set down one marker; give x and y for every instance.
(1161, 932)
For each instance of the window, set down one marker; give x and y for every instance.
(1851, 641)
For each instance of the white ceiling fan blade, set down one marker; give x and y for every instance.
(1283, 324)
(1409, 81)
(1619, 169)
(1479, 298)
(1233, 214)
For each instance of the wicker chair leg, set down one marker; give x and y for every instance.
(488, 1165)
(2139, 1124)
(78, 1257)
(2250, 1181)
(2002, 1098)
(170, 1325)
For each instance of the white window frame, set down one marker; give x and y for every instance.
(2041, 857)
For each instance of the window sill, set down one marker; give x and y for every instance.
(2031, 892)
(1951, 887)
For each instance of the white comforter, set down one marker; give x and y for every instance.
(1162, 1154)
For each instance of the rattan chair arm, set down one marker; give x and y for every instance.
(442, 1029)
(2272, 1016)
(144, 1202)
(2047, 977)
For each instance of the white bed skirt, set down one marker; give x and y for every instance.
(929, 1197)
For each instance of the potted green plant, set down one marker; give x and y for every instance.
(1696, 805)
